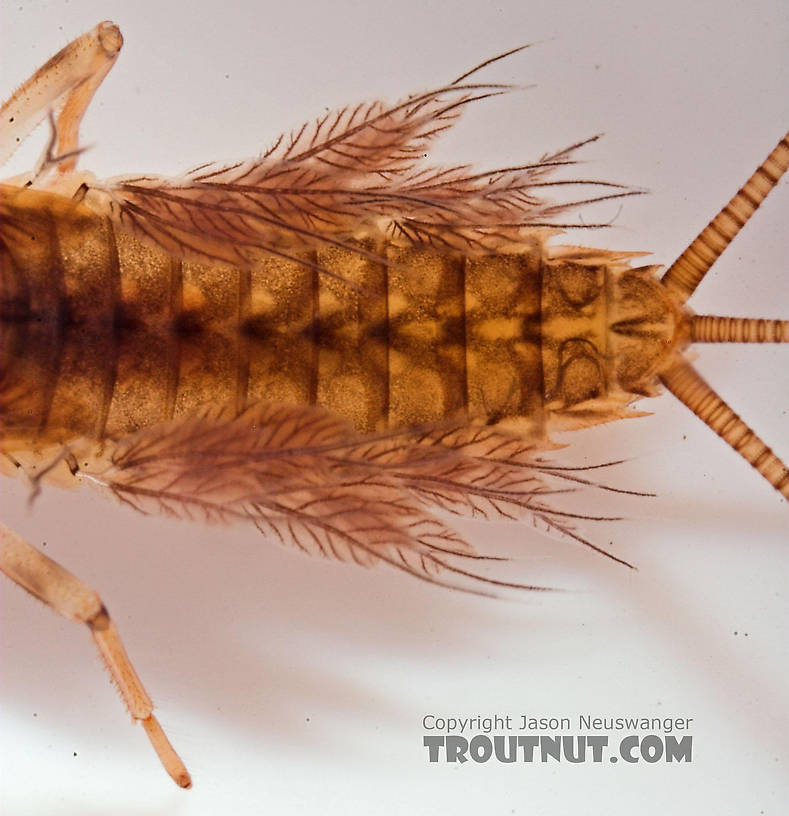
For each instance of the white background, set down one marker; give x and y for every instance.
(297, 686)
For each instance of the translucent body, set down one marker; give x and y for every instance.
(453, 364)
(104, 336)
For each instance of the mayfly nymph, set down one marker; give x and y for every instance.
(333, 342)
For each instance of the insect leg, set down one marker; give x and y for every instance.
(66, 82)
(46, 580)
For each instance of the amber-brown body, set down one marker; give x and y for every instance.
(103, 336)
(333, 342)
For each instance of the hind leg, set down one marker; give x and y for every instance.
(46, 580)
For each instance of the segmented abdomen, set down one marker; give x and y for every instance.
(103, 335)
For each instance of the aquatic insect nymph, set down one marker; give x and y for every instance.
(330, 341)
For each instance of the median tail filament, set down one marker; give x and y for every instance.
(682, 279)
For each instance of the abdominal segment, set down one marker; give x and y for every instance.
(104, 335)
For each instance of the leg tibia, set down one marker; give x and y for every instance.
(46, 580)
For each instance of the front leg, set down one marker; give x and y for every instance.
(46, 580)
(65, 83)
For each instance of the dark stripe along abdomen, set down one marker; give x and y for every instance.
(103, 335)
